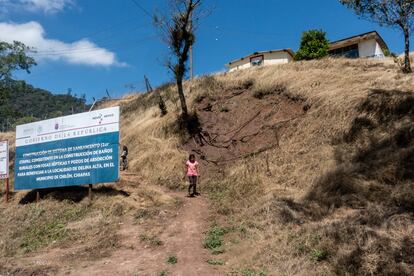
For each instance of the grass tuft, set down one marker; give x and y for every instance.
(152, 240)
(215, 262)
(214, 239)
(319, 255)
(172, 259)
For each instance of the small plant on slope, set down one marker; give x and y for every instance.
(172, 259)
(214, 239)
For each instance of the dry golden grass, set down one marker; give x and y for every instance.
(280, 221)
(308, 216)
(155, 153)
(280, 233)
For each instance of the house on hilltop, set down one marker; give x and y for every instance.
(262, 58)
(368, 44)
(364, 45)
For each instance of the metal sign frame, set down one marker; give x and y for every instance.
(78, 149)
(6, 176)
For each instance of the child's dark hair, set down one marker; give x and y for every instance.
(191, 156)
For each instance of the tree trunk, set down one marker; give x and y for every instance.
(407, 62)
(182, 97)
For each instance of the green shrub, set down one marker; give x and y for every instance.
(25, 120)
(319, 255)
(172, 259)
(152, 240)
(215, 262)
(214, 239)
(313, 45)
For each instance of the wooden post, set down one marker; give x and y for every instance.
(37, 196)
(90, 193)
(7, 190)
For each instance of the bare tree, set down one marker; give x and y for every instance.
(178, 33)
(392, 13)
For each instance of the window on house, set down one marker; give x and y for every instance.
(256, 61)
(350, 51)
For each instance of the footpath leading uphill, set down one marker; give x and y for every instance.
(307, 169)
(163, 238)
(179, 236)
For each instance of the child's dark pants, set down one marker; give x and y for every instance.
(193, 184)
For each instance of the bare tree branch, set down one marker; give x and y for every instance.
(392, 13)
(177, 29)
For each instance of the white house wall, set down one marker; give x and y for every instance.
(370, 48)
(241, 64)
(269, 59)
(276, 58)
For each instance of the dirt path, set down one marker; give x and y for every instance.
(182, 236)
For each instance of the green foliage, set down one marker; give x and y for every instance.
(24, 120)
(13, 56)
(172, 259)
(22, 103)
(319, 255)
(214, 239)
(46, 228)
(387, 13)
(163, 273)
(215, 262)
(395, 14)
(179, 34)
(311, 245)
(313, 45)
(37, 237)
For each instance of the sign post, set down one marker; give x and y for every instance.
(90, 193)
(80, 149)
(7, 190)
(4, 166)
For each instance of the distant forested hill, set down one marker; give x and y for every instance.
(23, 103)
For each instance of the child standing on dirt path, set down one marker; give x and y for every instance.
(192, 173)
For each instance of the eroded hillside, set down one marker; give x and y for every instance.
(308, 169)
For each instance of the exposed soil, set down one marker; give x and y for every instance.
(181, 235)
(180, 232)
(229, 132)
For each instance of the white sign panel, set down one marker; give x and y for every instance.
(73, 126)
(73, 150)
(4, 160)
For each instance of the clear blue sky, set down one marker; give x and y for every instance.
(68, 32)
